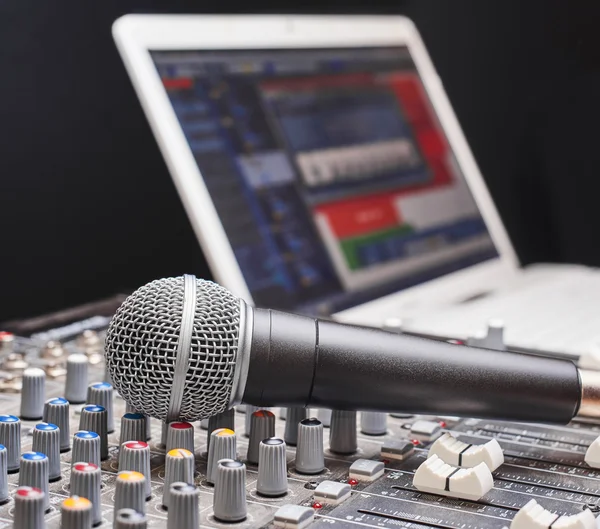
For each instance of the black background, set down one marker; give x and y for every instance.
(88, 209)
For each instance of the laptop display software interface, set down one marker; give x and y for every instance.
(329, 171)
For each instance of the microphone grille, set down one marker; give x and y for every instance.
(141, 348)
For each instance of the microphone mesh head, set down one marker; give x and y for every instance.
(141, 348)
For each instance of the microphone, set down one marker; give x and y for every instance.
(186, 349)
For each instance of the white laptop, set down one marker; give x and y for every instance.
(324, 172)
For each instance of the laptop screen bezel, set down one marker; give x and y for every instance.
(137, 35)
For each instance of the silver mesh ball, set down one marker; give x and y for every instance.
(141, 347)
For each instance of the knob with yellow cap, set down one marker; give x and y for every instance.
(222, 446)
(130, 491)
(179, 467)
(76, 513)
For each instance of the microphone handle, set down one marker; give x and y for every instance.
(301, 361)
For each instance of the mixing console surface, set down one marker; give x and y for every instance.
(541, 462)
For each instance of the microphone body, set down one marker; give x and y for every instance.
(188, 349)
(300, 361)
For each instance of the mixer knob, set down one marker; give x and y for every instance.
(293, 417)
(204, 424)
(135, 455)
(130, 491)
(373, 423)
(133, 427)
(86, 482)
(86, 447)
(164, 429)
(101, 394)
(342, 434)
(130, 409)
(248, 418)
(179, 467)
(7, 341)
(33, 472)
(183, 513)
(46, 440)
(52, 350)
(76, 513)
(437, 477)
(272, 468)
(56, 411)
(309, 452)
(222, 446)
(129, 519)
(10, 437)
(30, 505)
(283, 413)
(533, 516)
(262, 427)
(93, 419)
(221, 420)
(324, 416)
(88, 339)
(454, 452)
(180, 435)
(229, 499)
(33, 393)
(3, 474)
(77, 379)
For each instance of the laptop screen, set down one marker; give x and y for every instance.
(328, 168)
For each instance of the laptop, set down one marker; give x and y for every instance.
(324, 172)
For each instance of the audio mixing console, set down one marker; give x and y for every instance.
(368, 479)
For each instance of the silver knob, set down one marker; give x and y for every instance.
(46, 440)
(248, 418)
(86, 482)
(33, 472)
(342, 434)
(101, 393)
(3, 475)
(33, 393)
(222, 446)
(229, 500)
(77, 379)
(272, 467)
(135, 455)
(76, 513)
(130, 491)
(133, 427)
(183, 513)
(130, 409)
(129, 519)
(30, 505)
(164, 428)
(309, 452)
(262, 427)
(204, 424)
(293, 417)
(373, 423)
(179, 468)
(221, 420)
(86, 447)
(324, 416)
(10, 437)
(93, 419)
(56, 411)
(180, 435)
